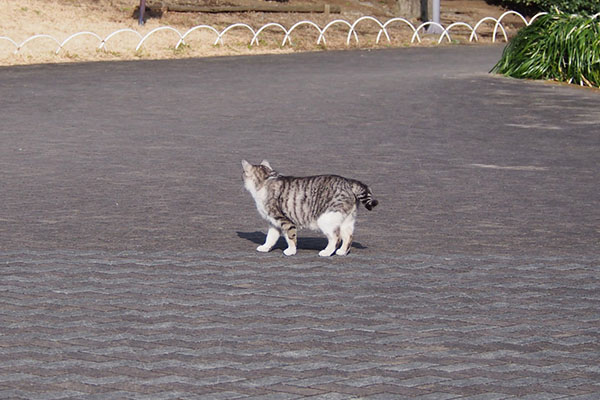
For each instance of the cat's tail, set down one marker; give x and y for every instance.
(364, 195)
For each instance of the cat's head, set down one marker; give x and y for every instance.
(255, 175)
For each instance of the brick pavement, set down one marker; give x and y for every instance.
(127, 263)
(107, 325)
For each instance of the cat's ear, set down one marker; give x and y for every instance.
(265, 163)
(246, 165)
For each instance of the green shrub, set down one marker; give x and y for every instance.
(569, 6)
(555, 46)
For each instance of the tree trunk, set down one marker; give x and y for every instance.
(409, 8)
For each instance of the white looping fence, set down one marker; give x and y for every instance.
(352, 31)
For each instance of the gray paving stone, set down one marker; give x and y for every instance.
(318, 380)
(437, 396)
(266, 381)
(488, 396)
(409, 366)
(591, 396)
(543, 396)
(422, 381)
(459, 367)
(470, 381)
(221, 396)
(275, 396)
(371, 380)
(329, 396)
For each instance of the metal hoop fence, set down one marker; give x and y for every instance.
(417, 31)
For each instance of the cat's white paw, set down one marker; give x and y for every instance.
(325, 253)
(341, 252)
(289, 251)
(263, 248)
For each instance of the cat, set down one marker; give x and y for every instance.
(325, 202)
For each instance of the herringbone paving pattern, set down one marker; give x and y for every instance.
(477, 277)
(114, 325)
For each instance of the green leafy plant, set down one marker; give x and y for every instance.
(556, 46)
(534, 6)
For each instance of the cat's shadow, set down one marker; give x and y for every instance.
(304, 243)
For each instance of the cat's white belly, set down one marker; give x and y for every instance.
(313, 226)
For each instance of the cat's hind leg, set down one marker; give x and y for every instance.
(329, 223)
(290, 233)
(291, 237)
(346, 231)
(272, 237)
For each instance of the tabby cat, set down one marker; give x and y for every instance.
(325, 202)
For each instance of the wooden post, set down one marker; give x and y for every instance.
(258, 7)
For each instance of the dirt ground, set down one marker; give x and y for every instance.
(23, 19)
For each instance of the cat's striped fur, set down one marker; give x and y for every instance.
(325, 202)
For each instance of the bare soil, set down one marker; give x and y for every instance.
(23, 19)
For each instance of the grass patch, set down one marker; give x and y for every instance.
(555, 46)
(182, 49)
